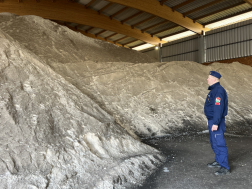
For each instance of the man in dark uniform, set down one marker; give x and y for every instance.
(216, 107)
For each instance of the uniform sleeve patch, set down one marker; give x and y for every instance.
(217, 101)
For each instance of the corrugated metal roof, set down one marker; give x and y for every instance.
(116, 37)
(99, 5)
(224, 13)
(83, 2)
(114, 8)
(127, 40)
(150, 23)
(95, 30)
(229, 21)
(162, 27)
(216, 7)
(106, 34)
(171, 31)
(193, 5)
(173, 3)
(134, 43)
(125, 14)
(139, 18)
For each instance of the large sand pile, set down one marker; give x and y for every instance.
(54, 136)
(161, 98)
(61, 122)
(146, 99)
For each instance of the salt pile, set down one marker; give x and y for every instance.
(67, 102)
(163, 98)
(53, 135)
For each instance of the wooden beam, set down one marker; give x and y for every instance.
(155, 25)
(134, 15)
(89, 34)
(90, 3)
(99, 33)
(218, 11)
(162, 2)
(153, 7)
(230, 16)
(249, 2)
(75, 13)
(160, 31)
(118, 12)
(182, 4)
(105, 7)
(143, 21)
(130, 42)
(202, 7)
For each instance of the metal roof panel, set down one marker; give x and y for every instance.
(150, 23)
(171, 31)
(125, 14)
(162, 27)
(173, 3)
(224, 13)
(213, 8)
(106, 34)
(138, 18)
(193, 5)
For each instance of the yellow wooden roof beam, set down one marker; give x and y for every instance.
(154, 7)
(68, 11)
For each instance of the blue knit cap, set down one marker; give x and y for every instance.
(215, 74)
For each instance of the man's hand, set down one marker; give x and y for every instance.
(214, 127)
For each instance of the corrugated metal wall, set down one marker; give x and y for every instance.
(229, 42)
(185, 50)
(153, 54)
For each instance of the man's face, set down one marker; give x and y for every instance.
(211, 80)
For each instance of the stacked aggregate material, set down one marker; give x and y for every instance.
(149, 99)
(161, 98)
(53, 135)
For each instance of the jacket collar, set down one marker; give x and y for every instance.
(213, 86)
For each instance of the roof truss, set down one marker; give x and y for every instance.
(76, 13)
(153, 7)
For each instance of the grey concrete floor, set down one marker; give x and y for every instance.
(186, 165)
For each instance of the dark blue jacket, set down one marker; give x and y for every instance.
(216, 105)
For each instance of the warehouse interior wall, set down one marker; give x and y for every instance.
(230, 42)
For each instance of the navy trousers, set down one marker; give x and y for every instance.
(218, 143)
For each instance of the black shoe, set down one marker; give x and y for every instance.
(214, 164)
(222, 171)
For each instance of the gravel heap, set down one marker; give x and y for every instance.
(52, 134)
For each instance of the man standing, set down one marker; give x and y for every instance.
(216, 107)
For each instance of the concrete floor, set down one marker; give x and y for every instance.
(186, 165)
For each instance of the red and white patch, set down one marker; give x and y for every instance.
(217, 101)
